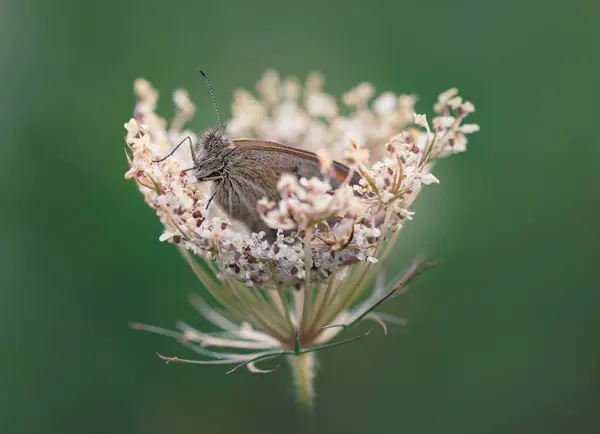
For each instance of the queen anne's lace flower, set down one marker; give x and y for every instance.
(322, 274)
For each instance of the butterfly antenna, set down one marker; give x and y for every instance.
(212, 95)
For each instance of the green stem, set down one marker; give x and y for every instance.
(303, 369)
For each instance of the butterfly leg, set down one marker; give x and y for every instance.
(175, 149)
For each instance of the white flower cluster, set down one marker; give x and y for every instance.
(293, 295)
(308, 118)
(337, 219)
(305, 203)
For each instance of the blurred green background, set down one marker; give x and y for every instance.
(503, 338)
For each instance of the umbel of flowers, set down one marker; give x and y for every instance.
(296, 293)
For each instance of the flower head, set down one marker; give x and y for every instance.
(293, 293)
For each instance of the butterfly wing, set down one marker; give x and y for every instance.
(286, 159)
(255, 167)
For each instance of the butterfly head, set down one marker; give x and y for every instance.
(211, 155)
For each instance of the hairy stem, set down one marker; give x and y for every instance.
(303, 369)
